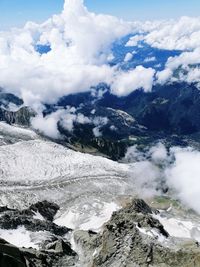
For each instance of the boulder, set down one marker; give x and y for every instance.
(60, 246)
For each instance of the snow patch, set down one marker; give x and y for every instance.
(76, 220)
(180, 228)
(19, 237)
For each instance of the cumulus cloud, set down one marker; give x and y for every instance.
(48, 125)
(133, 154)
(186, 58)
(193, 75)
(99, 122)
(187, 63)
(158, 154)
(183, 176)
(80, 51)
(67, 118)
(164, 76)
(181, 34)
(80, 45)
(127, 82)
(128, 57)
(177, 168)
(146, 176)
(134, 40)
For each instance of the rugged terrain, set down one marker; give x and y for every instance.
(132, 237)
(77, 209)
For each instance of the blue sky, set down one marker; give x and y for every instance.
(17, 12)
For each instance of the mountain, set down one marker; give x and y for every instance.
(140, 118)
(99, 142)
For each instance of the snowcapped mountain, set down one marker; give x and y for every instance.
(99, 142)
(34, 169)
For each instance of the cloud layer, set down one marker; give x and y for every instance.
(178, 168)
(80, 53)
(80, 45)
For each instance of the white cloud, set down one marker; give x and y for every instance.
(184, 59)
(133, 41)
(178, 168)
(99, 122)
(183, 176)
(181, 34)
(158, 153)
(193, 75)
(146, 176)
(128, 57)
(48, 125)
(188, 62)
(127, 82)
(164, 75)
(96, 131)
(150, 59)
(133, 154)
(80, 46)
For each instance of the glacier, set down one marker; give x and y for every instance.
(86, 187)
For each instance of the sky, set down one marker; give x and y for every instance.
(17, 12)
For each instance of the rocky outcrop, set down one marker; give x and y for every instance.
(12, 219)
(55, 250)
(20, 117)
(60, 255)
(128, 240)
(132, 238)
(47, 209)
(56, 254)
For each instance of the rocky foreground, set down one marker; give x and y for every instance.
(132, 237)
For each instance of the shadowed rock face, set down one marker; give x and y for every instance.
(10, 256)
(47, 209)
(20, 117)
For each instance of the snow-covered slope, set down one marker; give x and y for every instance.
(85, 186)
(12, 134)
(38, 161)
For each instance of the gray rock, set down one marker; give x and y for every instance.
(60, 246)
(47, 209)
(20, 117)
(12, 218)
(122, 244)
